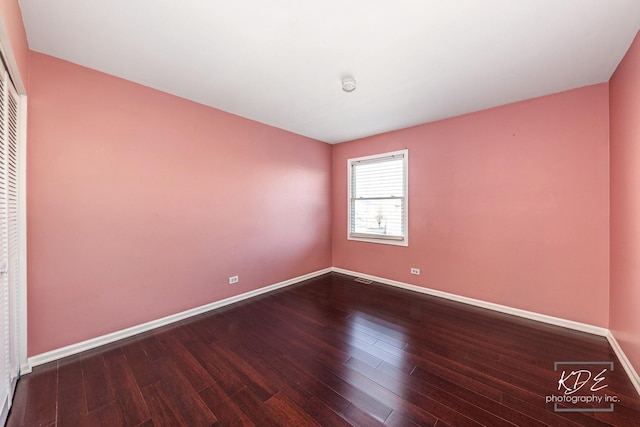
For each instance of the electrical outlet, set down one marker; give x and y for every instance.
(415, 271)
(233, 280)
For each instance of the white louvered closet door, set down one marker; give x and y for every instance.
(9, 355)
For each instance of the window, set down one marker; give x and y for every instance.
(378, 205)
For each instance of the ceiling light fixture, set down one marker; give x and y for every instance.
(348, 84)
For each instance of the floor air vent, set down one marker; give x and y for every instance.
(362, 280)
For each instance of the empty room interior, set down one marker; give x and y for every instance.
(361, 213)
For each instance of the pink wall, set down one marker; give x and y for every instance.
(507, 205)
(12, 23)
(625, 203)
(142, 204)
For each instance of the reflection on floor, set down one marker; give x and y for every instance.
(331, 351)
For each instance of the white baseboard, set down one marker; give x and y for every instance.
(126, 333)
(626, 364)
(26, 368)
(570, 324)
(583, 327)
(72, 349)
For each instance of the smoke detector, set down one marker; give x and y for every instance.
(348, 84)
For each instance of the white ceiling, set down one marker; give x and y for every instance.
(280, 62)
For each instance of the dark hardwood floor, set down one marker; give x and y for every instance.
(332, 352)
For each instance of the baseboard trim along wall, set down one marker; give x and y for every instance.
(72, 349)
(584, 327)
(624, 361)
(557, 321)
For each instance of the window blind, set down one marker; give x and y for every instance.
(378, 197)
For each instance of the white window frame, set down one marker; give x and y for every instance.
(375, 238)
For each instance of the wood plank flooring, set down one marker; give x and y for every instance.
(331, 352)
